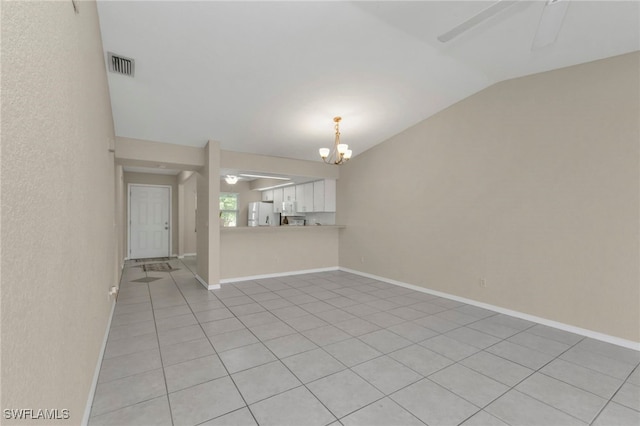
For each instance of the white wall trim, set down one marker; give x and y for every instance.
(207, 285)
(187, 255)
(96, 373)
(278, 274)
(630, 344)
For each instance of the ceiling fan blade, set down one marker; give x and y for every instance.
(485, 14)
(550, 23)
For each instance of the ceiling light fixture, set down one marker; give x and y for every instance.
(340, 153)
(264, 176)
(231, 180)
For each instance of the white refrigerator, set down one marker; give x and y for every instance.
(261, 214)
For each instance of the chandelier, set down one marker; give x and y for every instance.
(340, 152)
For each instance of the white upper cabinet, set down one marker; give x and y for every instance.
(324, 195)
(304, 197)
(318, 196)
(289, 193)
(308, 197)
(278, 195)
(288, 200)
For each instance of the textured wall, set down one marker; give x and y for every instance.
(531, 184)
(57, 179)
(270, 250)
(190, 192)
(138, 152)
(207, 220)
(285, 166)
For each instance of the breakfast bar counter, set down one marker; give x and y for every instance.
(234, 229)
(262, 251)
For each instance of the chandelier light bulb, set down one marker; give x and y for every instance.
(324, 152)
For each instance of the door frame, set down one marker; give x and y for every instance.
(129, 215)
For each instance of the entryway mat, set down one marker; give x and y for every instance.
(158, 267)
(153, 259)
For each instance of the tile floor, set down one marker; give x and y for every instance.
(335, 348)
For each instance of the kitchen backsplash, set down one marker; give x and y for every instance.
(321, 218)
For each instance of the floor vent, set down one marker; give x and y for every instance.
(121, 65)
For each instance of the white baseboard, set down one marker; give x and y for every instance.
(278, 274)
(186, 255)
(96, 374)
(207, 285)
(630, 344)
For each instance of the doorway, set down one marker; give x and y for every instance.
(149, 221)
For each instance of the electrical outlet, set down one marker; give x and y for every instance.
(482, 283)
(113, 291)
(362, 259)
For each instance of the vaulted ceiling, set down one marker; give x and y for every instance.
(268, 77)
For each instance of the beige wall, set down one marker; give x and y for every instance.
(259, 251)
(531, 184)
(207, 220)
(142, 153)
(120, 215)
(245, 196)
(190, 192)
(58, 237)
(151, 179)
(268, 164)
(202, 221)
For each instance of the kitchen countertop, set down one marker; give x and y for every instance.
(277, 228)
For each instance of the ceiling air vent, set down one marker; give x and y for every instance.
(121, 65)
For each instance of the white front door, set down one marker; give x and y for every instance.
(149, 221)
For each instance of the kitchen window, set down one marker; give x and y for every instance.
(228, 209)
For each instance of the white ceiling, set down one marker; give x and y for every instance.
(268, 77)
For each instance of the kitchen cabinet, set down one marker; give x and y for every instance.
(278, 195)
(288, 200)
(300, 197)
(318, 196)
(308, 197)
(304, 197)
(289, 193)
(324, 195)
